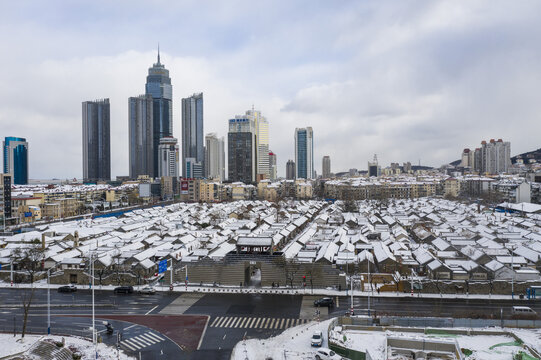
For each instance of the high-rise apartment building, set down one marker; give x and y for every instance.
(290, 170)
(192, 131)
(304, 153)
(214, 157)
(193, 169)
(5, 197)
(467, 159)
(168, 159)
(241, 146)
(16, 159)
(141, 132)
(373, 167)
(159, 87)
(273, 169)
(262, 139)
(326, 167)
(495, 156)
(96, 141)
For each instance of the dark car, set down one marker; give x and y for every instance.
(326, 301)
(124, 290)
(67, 288)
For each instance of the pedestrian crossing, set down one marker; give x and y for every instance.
(249, 322)
(141, 341)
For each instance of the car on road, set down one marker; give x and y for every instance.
(67, 288)
(523, 312)
(317, 339)
(147, 290)
(326, 301)
(124, 290)
(327, 354)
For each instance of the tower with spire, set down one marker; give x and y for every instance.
(159, 87)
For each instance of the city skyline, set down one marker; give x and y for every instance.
(377, 77)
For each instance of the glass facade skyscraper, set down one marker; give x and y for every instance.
(192, 132)
(241, 146)
(16, 159)
(159, 87)
(141, 131)
(304, 153)
(96, 141)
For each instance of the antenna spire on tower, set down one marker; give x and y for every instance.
(158, 53)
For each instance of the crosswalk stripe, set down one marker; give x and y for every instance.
(235, 319)
(221, 322)
(137, 342)
(267, 320)
(282, 324)
(298, 321)
(250, 322)
(256, 325)
(143, 340)
(215, 320)
(243, 322)
(158, 337)
(149, 338)
(272, 323)
(237, 323)
(277, 323)
(226, 323)
(127, 345)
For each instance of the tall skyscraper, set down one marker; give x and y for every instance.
(262, 138)
(168, 163)
(304, 152)
(16, 159)
(495, 156)
(290, 170)
(214, 157)
(273, 170)
(96, 141)
(373, 168)
(141, 131)
(326, 167)
(192, 131)
(241, 146)
(159, 87)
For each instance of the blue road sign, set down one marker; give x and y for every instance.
(162, 266)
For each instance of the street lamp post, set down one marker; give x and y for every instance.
(369, 284)
(513, 274)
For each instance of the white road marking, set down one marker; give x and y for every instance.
(151, 310)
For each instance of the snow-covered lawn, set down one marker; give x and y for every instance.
(294, 343)
(13, 345)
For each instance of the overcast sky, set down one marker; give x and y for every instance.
(407, 80)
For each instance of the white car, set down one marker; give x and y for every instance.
(327, 354)
(317, 339)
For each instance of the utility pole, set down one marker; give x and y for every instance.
(513, 275)
(369, 284)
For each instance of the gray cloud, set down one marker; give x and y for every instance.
(404, 80)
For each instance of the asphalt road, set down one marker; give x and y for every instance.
(208, 326)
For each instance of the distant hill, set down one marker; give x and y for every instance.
(527, 156)
(455, 163)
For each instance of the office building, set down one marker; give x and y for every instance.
(326, 167)
(373, 168)
(273, 169)
(241, 146)
(168, 159)
(193, 169)
(159, 87)
(16, 159)
(495, 156)
(262, 138)
(214, 157)
(96, 141)
(141, 133)
(5, 198)
(192, 131)
(290, 170)
(304, 153)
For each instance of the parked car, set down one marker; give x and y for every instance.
(67, 288)
(523, 312)
(147, 290)
(327, 354)
(317, 339)
(326, 301)
(124, 290)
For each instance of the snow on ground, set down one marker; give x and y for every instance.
(13, 345)
(294, 343)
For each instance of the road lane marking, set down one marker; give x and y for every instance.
(251, 322)
(221, 322)
(227, 322)
(224, 336)
(130, 346)
(156, 336)
(149, 339)
(265, 322)
(241, 323)
(143, 340)
(151, 310)
(282, 323)
(287, 322)
(271, 325)
(235, 320)
(129, 327)
(337, 301)
(136, 341)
